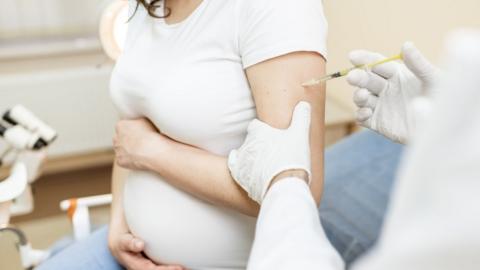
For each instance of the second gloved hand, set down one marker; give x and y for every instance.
(268, 151)
(384, 93)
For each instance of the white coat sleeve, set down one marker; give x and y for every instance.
(434, 217)
(289, 234)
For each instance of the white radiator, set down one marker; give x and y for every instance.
(74, 101)
(42, 18)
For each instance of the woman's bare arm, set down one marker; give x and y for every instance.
(117, 218)
(203, 174)
(276, 86)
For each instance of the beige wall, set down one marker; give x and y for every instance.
(383, 25)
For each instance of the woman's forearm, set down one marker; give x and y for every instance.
(117, 218)
(276, 90)
(202, 174)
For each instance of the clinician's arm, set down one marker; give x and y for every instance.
(276, 86)
(434, 212)
(289, 234)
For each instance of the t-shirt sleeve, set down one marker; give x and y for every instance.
(271, 28)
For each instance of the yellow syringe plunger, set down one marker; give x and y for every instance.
(344, 72)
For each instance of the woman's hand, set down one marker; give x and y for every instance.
(131, 139)
(128, 250)
(134, 142)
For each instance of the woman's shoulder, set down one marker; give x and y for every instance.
(277, 5)
(281, 11)
(247, 6)
(269, 28)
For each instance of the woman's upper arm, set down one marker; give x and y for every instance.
(276, 87)
(282, 44)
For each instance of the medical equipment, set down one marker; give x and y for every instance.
(20, 138)
(345, 72)
(19, 115)
(78, 212)
(113, 28)
(27, 133)
(10, 189)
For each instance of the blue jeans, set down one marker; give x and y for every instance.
(359, 172)
(91, 253)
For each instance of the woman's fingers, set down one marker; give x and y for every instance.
(170, 267)
(138, 260)
(132, 262)
(135, 261)
(128, 250)
(131, 244)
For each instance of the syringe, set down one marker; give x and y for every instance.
(344, 72)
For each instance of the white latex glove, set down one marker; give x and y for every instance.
(268, 151)
(384, 93)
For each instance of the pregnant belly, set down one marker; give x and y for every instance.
(180, 229)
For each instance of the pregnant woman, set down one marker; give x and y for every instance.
(200, 74)
(192, 76)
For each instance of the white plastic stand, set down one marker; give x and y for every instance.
(78, 212)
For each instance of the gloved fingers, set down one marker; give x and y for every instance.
(417, 63)
(368, 80)
(360, 97)
(363, 114)
(362, 57)
(387, 70)
(363, 98)
(301, 117)
(371, 102)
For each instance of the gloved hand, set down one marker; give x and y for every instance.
(268, 151)
(384, 93)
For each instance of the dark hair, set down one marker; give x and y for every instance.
(151, 7)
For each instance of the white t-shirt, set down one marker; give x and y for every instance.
(189, 80)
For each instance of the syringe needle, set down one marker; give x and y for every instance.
(344, 72)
